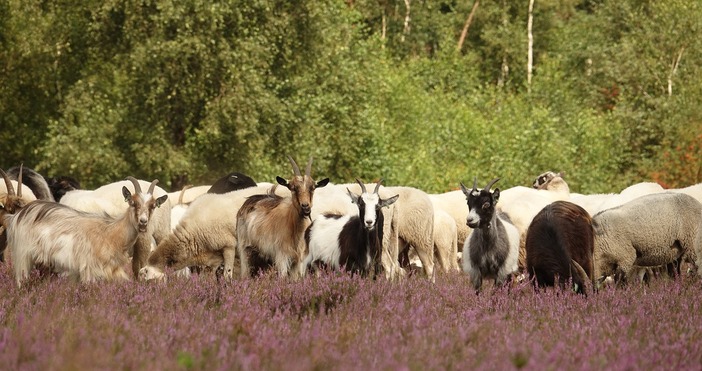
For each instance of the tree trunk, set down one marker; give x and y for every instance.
(673, 70)
(469, 20)
(406, 29)
(530, 52)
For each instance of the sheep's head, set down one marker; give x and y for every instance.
(481, 204)
(59, 186)
(549, 180)
(150, 272)
(369, 204)
(141, 204)
(11, 202)
(302, 187)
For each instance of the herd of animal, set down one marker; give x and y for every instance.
(297, 226)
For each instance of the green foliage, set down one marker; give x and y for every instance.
(187, 91)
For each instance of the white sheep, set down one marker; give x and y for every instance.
(84, 245)
(649, 231)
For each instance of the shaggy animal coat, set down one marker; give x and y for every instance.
(649, 231)
(560, 246)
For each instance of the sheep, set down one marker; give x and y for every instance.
(60, 185)
(651, 230)
(560, 246)
(186, 195)
(520, 204)
(273, 227)
(493, 247)
(353, 240)
(453, 203)
(232, 182)
(205, 236)
(87, 246)
(594, 203)
(106, 199)
(33, 180)
(178, 209)
(445, 244)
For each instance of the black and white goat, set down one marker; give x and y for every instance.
(272, 227)
(87, 246)
(492, 249)
(353, 241)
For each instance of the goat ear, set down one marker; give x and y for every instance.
(322, 183)
(281, 181)
(496, 195)
(354, 198)
(126, 194)
(389, 201)
(464, 190)
(161, 200)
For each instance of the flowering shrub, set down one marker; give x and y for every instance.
(345, 322)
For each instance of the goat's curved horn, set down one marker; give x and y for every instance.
(492, 182)
(377, 186)
(152, 186)
(475, 183)
(296, 169)
(308, 169)
(182, 192)
(363, 186)
(19, 181)
(8, 183)
(137, 186)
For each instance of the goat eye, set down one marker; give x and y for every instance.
(486, 206)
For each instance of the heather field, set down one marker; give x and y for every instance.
(343, 322)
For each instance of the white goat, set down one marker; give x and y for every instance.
(86, 246)
(353, 240)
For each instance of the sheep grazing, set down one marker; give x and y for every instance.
(652, 230)
(353, 241)
(560, 246)
(493, 247)
(61, 185)
(232, 182)
(273, 227)
(87, 246)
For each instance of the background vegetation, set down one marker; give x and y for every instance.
(187, 91)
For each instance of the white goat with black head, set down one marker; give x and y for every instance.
(272, 227)
(353, 241)
(492, 249)
(86, 246)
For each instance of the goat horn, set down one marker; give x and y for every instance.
(296, 169)
(308, 169)
(8, 183)
(475, 183)
(182, 192)
(137, 186)
(377, 186)
(19, 182)
(487, 187)
(152, 186)
(363, 186)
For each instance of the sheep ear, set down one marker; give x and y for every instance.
(127, 195)
(389, 201)
(322, 183)
(496, 195)
(281, 181)
(161, 200)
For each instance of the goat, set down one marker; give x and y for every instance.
(106, 199)
(493, 247)
(61, 185)
(11, 202)
(85, 245)
(186, 195)
(33, 180)
(649, 231)
(273, 227)
(352, 240)
(560, 246)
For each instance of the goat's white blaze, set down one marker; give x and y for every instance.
(371, 200)
(143, 216)
(473, 217)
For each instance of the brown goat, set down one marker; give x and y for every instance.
(273, 227)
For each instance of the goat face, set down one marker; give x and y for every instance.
(142, 206)
(11, 202)
(302, 187)
(481, 204)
